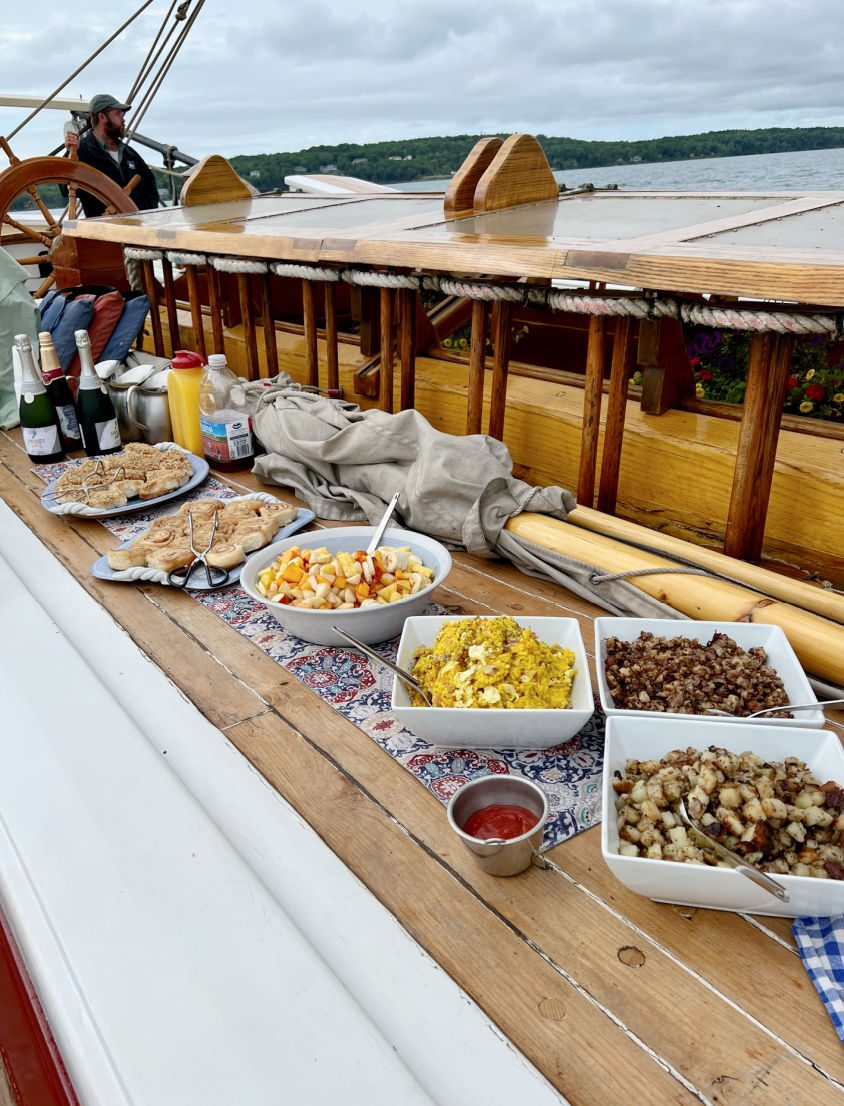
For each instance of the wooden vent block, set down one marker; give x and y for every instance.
(460, 195)
(213, 181)
(518, 174)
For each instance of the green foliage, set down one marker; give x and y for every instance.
(441, 156)
(815, 384)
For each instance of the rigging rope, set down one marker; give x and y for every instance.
(76, 72)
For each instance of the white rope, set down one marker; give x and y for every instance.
(625, 306)
(304, 272)
(133, 273)
(183, 259)
(475, 291)
(238, 265)
(783, 322)
(135, 254)
(608, 577)
(370, 279)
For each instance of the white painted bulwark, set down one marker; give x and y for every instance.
(193, 941)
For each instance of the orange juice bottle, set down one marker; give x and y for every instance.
(183, 397)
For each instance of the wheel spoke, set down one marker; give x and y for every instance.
(37, 260)
(45, 211)
(42, 289)
(30, 232)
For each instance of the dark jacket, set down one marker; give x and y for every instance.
(144, 194)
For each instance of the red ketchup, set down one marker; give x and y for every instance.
(500, 821)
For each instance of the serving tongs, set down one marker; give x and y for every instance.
(761, 879)
(214, 574)
(409, 681)
(85, 489)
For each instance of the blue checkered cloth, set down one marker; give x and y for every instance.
(821, 945)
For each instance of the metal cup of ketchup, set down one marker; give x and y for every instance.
(500, 820)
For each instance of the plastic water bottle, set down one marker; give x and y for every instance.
(224, 417)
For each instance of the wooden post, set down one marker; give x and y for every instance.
(309, 321)
(407, 348)
(502, 315)
(768, 367)
(248, 319)
(477, 367)
(195, 308)
(332, 352)
(385, 394)
(151, 288)
(216, 310)
(592, 390)
(170, 304)
(623, 358)
(270, 348)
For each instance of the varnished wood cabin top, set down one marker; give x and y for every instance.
(777, 245)
(616, 999)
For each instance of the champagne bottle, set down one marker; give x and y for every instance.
(94, 409)
(40, 426)
(59, 392)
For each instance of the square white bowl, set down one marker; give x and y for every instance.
(646, 738)
(495, 728)
(748, 635)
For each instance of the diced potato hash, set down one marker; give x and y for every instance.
(318, 580)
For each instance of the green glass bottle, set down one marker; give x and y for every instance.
(59, 392)
(94, 409)
(39, 423)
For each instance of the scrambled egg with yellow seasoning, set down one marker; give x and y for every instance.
(493, 662)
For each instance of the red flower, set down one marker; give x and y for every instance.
(705, 374)
(792, 382)
(815, 392)
(694, 361)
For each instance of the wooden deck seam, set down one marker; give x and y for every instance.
(697, 976)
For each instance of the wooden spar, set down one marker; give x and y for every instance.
(151, 289)
(820, 601)
(502, 315)
(818, 643)
(332, 353)
(244, 294)
(385, 400)
(592, 392)
(270, 347)
(407, 348)
(309, 326)
(767, 381)
(170, 304)
(215, 307)
(623, 352)
(195, 309)
(477, 367)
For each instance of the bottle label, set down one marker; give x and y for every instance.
(227, 441)
(68, 422)
(41, 441)
(108, 434)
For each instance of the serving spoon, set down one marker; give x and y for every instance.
(403, 675)
(762, 879)
(382, 525)
(772, 710)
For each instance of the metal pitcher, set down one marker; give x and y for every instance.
(143, 412)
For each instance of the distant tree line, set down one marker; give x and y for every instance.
(420, 158)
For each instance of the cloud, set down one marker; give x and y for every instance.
(254, 77)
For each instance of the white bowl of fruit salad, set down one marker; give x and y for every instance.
(312, 582)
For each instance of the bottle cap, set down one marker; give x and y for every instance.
(22, 341)
(186, 359)
(217, 361)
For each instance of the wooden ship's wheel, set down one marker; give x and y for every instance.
(27, 176)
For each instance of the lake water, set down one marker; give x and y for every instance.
(805, 169)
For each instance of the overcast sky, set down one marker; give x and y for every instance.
(264, 76)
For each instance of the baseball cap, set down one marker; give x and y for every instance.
(103, 102)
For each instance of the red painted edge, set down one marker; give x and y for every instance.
(33, 1063)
